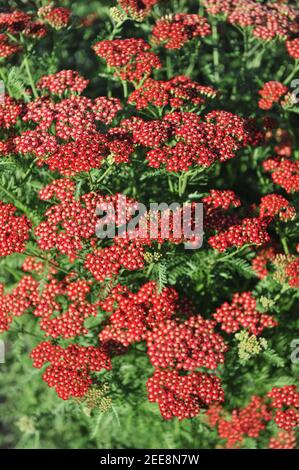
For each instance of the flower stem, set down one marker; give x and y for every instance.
(22, 330)
(215, 52)
(285, 245)
(125, 88)
(293, 73)
(30, 78)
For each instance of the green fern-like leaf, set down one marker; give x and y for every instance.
(240, 266)
(161, 276)
(17, 86)
(273, 358)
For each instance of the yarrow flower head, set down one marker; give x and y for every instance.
(180, 28)
(293, 48)
(183, 396)
(284, 172)
(245, 422)
(187, 345)
(248, 231)
(69, 369)
(133, 315)
(61, 82)
(64, 318)
(71, 222)
(285, 400)
(283, 440)
(39, 144)
(131, 58)
(105, 109)
(178, 92)
(183, 139)
(221, 199)
(275, 204)
(7, 48)
(137, 9)
(17, 301)
(16, 22)
(272, 92)
(292, 273)
(268, 19)
(264, 257)
(58, 17)
(242, 313)
(14, 230)
(10, 110)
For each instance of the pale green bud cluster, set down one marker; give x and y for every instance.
(249, 345)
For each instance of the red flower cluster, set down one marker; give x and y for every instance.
(283, 440)
(58, 18)
(5, 318)
(275, 204)
(14, 230)
(284, 141)
(268, 19)
(66, 137)
(64, 81)
(72, 221)
(105, 109)
(187, 345)
(284, 172)
(32, 264)
(17, 22)
(249, 231)
(146, 315)
(181, 140)
(18, 301)
(137, 9)
(7, 48)
(131, 58)
(83, 154)
(292, 271)
(62, 305)
(133, 315)
(179, 92)
(221, 199)
(41, 111)
(242, 313)
(35, 142)
(261, 260)
(65, 317)
(271, 93)
(69, 370)
(10, 110)
(14, 21)
(285, 400)
(124, 253)
(180, 28)
(249, 421)
(293, 48)
(216, 204)
(129, 250)
(183, 396)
